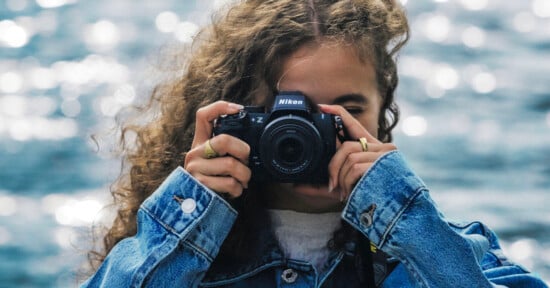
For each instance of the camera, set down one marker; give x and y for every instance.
(290, 144)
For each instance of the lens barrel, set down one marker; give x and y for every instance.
(290, 147)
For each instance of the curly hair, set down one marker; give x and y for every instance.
(238, 58)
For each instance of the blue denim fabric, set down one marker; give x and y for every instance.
(390, 205)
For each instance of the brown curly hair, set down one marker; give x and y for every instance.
(238, 58)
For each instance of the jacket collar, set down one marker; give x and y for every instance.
(266, 252)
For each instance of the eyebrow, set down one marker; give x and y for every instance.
(353, 97)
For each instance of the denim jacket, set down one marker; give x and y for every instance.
(182, 225)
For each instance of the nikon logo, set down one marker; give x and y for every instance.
(290, 102)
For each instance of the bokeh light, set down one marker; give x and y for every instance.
(417, 67)
(11, 82)
(474, 4)
(541, 8)
(218, 4)
(414, 125)
(437, 27)
(94, 69)
(446, 77)
(484, 82)
(13, 105)
(53, 3)
(522, 250)
(185, 31)
(42, 106)
(167, 21)
(125, 94)
(78, 212)
(102, 35)
(71, 211)
(43, 78)
(65, 237)
(24, 129)
(70, 107)
(433, 90)
(473, 37)
(8, 206)
(122, 97)
(12, 34)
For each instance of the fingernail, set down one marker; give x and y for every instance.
(236, 106)
(330, 186)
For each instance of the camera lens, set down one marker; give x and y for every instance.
(290, 150)
(290, 147)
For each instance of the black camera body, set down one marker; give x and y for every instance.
(290, 144)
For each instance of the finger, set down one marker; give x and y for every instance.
(353, 126)
(206, 115)
(221, 184)
(358, 157)
(225, 144)
(338, 160)
(196, 164)
(350, 179)
(347, 148)
(223, 166)
(351, 163)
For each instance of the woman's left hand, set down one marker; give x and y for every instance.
(350, 161)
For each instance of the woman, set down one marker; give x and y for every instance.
(209, 224)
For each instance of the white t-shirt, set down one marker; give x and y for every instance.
(304, 236)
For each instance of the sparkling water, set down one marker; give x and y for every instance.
(475, 125)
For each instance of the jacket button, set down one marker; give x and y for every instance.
(367, 215)
(289, 275)
(366, 219)
(188, 205)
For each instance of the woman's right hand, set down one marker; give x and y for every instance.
(227, 173)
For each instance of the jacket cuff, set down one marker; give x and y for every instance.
(190, 210)
(380, 197)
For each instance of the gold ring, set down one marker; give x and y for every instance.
(364, 144)
(209, 152)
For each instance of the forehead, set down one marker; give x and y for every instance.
(326, 71)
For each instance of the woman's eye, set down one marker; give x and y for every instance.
(354, 110)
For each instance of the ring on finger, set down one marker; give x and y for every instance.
(364, 144)
(209, 152)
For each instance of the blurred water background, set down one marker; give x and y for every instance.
(474, 93)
